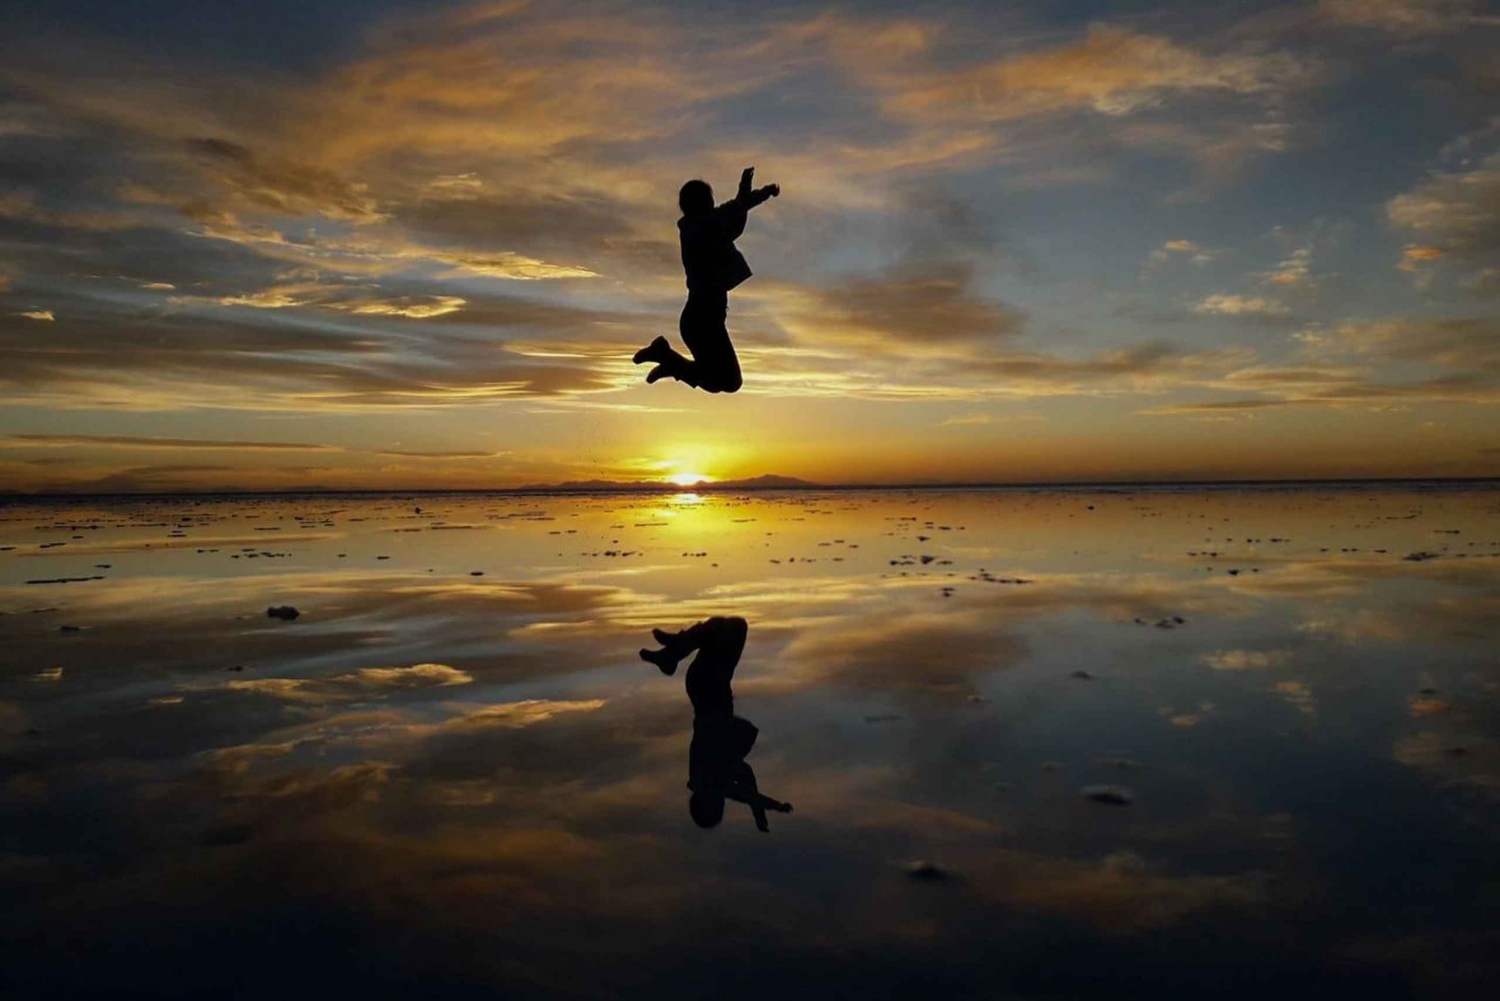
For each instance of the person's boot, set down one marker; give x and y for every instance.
(659, 372)
(655, 351)
(665, 660)
(672, 641)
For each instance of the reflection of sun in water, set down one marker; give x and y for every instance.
(687, 479)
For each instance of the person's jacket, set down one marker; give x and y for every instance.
(709, 257)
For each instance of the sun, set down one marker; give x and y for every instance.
(687, 479)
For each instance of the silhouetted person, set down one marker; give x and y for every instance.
(716, 757)
(713, 266)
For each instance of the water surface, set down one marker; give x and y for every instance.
(1067, 743)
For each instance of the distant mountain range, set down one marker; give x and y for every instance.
(768, 482)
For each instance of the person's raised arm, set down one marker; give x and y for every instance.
(750, 197)
(742, 789)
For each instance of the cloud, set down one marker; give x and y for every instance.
(1197, 255)
(1455, 212)
(281, 186)
(1471, 343)
(915, 309)
(1414, 254)
(1408, 18)
(1416, 260)
(1294, 272)
(19, 206)
(141, 442)
(1111, 71)
(38, 314)
(203, 355)
(1463, 352)
(283, 297)
(398, 454)
(436, 306)
(1227, 304)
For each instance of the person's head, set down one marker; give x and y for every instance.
(696, 196)
(707, 808)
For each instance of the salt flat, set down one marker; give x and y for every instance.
(1082, 743)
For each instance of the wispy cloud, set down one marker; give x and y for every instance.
(1231, 304)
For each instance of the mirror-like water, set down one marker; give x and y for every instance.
(1033, 743)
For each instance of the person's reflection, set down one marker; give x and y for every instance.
(716, 758)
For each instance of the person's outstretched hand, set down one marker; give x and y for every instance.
(747, 177)
(774, 190)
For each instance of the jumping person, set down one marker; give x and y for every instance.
(717, 769)
(713, 266)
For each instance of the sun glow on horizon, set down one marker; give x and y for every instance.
(688, 479)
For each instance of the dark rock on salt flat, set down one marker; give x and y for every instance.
(285, 613)
(1108, 795)
(927, 872)
(1082, 676)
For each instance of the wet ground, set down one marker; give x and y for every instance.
(1067, 743)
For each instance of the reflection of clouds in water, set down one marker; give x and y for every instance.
(187, 625)
(1246, 660)
(1298, 695)
(1458, 756)
(480, 762)
(938, 653)
(355, 685)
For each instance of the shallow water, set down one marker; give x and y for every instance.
(453, 772)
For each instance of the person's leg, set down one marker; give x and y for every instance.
(715, 368)
(719, 641)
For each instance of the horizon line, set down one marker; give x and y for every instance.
(746, 486)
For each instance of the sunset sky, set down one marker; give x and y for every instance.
(287, 245)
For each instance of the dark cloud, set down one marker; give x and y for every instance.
(902, 311)
(283, 187)
(138, 441)
(213, 356)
